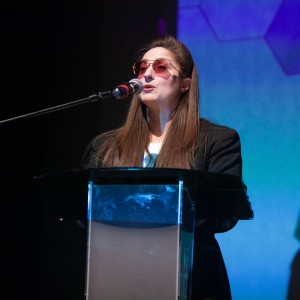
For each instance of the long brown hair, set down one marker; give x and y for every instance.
(124, 147)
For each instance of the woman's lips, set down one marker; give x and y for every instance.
(148, 87)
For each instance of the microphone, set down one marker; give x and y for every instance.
(122, 91)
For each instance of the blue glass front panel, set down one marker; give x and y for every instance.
(136, 203)
(140, 241)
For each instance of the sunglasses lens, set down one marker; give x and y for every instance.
(140, 68)
(160, 66)
(143, 66)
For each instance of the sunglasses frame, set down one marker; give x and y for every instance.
(151, 62)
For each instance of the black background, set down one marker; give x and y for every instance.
(55, 52)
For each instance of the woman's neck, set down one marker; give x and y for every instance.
(158, 125)
(157, 139)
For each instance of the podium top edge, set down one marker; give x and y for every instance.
(101, 172)
(94, 174)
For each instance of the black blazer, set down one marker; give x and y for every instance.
(222, 149)
(220, 152)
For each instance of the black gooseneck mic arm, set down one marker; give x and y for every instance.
(123, 91)
(92, 98)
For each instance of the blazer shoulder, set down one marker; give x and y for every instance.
(222, 148)
(92, 156)
(216, 130)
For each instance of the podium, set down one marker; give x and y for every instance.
(141, 224)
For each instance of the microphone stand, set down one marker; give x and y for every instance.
(92, 98)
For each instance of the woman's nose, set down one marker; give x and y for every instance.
(149, 72)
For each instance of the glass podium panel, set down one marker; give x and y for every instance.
(139, 246)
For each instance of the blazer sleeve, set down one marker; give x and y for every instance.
(224, 152)
(222, 155)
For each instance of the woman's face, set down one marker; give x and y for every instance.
(162, 82)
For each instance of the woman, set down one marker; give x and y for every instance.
(163, 130)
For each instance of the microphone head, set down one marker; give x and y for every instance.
(122, 91)
(138, 86)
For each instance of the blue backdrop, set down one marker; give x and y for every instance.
(248, 59)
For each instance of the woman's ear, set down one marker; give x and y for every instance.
(185, 85)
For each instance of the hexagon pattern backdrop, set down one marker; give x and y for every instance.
(248, 59)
